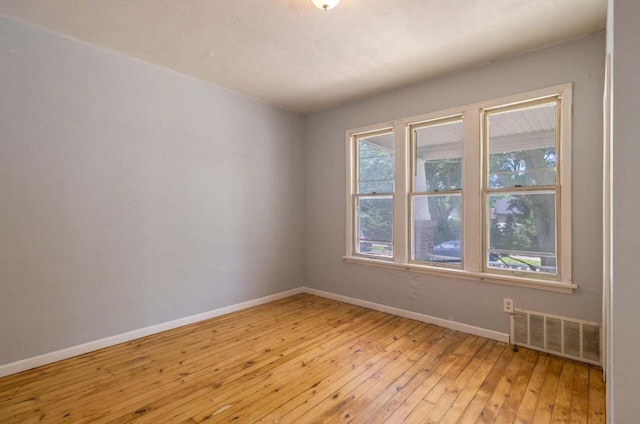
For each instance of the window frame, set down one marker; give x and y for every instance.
(474, 194)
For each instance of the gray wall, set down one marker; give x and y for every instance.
(132, 195)
(624, 376)
(475, 303)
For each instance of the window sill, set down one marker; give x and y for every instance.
(533, 283)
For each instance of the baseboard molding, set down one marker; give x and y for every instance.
(58, 355)
(466, 328)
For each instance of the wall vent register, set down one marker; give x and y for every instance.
(568, 337)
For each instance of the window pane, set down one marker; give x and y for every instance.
(522, 147)
(375, 226)
(376, 164)
(437, 228)
(522, 232)
(438, 157)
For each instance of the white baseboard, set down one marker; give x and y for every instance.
(466, 328)
(58, 355)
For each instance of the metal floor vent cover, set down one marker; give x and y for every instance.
(572, 338)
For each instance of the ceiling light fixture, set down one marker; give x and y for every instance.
(325, 4)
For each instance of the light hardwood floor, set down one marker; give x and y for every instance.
(310, 360)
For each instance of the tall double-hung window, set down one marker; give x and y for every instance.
(436, 192)
(373, 198)
(478, 192)
(521, 180)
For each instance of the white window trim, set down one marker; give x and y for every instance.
(473, 214)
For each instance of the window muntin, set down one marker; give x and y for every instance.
(436, 192)
(521, 195)
(373, 202)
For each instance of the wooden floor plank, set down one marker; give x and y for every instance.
(527, 407)
(306, 359)
(406, 385)
(461, 403)
(510, 407)
(434, 406)
(364, 409)
(346, 370)
(231, 384)
(546, 402)
(343, 395)
(562, 408)
(597, 412)
(452, 366)
(433, 338)
(301, 404)
(253, 401)
(480, 398)
(580, 396)
(501, 391)
(371, 390)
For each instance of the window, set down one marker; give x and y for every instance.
(478, 192)
(521, 181)
(436, 192)
(373, 200)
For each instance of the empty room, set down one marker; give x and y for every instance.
(319, 211)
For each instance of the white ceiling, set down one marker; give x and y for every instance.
(295, 56)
